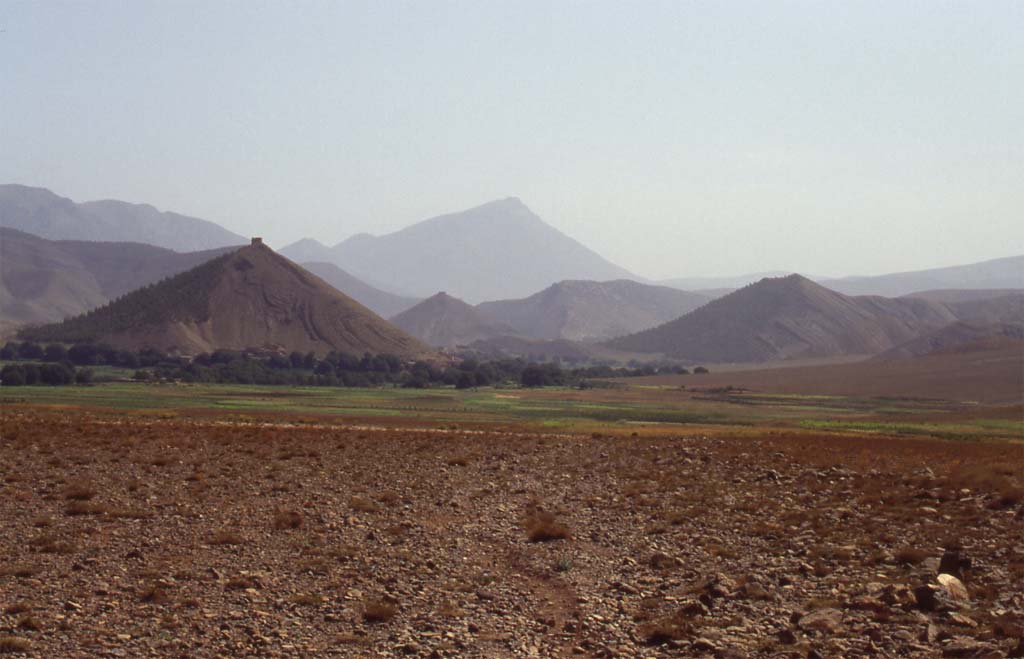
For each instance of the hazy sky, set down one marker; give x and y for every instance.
(674, 138)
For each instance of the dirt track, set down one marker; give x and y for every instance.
(181, 539)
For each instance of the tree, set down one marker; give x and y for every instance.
(55, 352)
(700, 370)
(12, 375)
(83, 376)
(466, 380)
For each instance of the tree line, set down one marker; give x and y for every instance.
(62, 364)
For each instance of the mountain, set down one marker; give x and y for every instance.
(380, 302)
(592, 311)
(499, 250)
(42, 213)
(961, 336)
(249, 298)
(1004, 309)
(308, 250)
(44, 281)
(444, 321)
(997, 273)
(789, 317)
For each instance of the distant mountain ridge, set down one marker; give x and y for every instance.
(47, 215)
(249, 298)
(786, 318)
(1003, 273)
(499, 250)
(44, 281)
(592, 311)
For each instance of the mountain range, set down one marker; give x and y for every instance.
(495, 251)
(45, 280)
(248, 298)
(42, 213)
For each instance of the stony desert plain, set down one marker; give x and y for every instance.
(661, 517)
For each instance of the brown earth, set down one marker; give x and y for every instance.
(988, 376)
(138, 536)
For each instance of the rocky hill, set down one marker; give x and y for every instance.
(444, 321)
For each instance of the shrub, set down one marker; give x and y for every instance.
(378, 611)
(542, 527)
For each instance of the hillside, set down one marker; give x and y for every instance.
(961, 336)
(956, 295)
(500, 250)
(44, 281)
(42, 213)
(996, 273)
(444, 321)
(786, 318)
(592, 311)
(380, 302)
(249, 298)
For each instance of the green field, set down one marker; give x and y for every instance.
(550, 409)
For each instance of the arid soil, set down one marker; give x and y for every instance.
(137, 536)
(988, 376)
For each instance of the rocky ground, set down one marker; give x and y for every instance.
(145, 537)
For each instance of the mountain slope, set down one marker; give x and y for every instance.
(249, 298)
(498, 250)
(786, 318)
(40, 212)
(45, 280)
(380, 302)
(592, 311)
(997, 273)
(444, 321)
(961, 336)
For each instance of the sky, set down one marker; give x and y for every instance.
(674, 138)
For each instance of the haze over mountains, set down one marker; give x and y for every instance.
(786, 318)
(45, 281)
(592, 311)
(444, 321)
(42, 213)
(249, 298)
(494, 251)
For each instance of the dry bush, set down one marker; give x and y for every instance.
(911, 556)
(20, 571)
(79, 507)
(79, 491)
(226, 538)
(28, 623)
(378, 611)
(153, 594)
(18, 607)
(49, 543)
(14, 644)
(240, 583)
(362, 504)
(542, 527)
(308, 599)
(287, 519)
